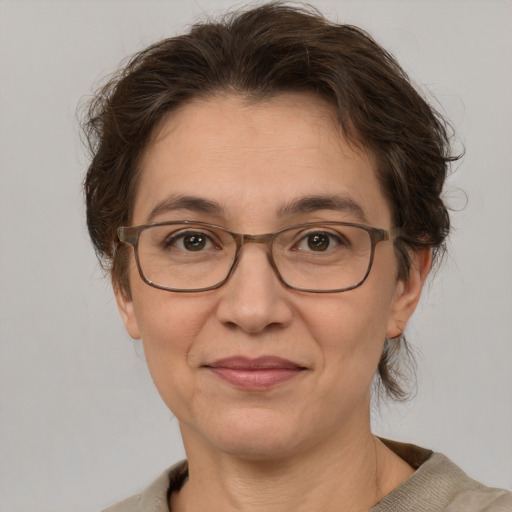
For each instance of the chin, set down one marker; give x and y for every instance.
(261, 449)
(256, 435)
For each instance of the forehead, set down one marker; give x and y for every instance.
(254, 158)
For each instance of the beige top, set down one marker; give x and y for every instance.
(437, 485)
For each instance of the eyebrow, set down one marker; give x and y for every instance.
(308, 204)
(192, 203)
(311, 204)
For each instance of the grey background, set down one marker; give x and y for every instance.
(80, 423)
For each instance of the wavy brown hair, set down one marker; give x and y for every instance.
(260, 53)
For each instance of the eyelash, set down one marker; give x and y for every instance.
(174, 237)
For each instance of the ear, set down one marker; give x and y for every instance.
(408, 292)
(127, 312)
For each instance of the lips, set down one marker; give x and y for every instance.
(255, 374)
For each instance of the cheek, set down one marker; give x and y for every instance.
(351, 328)
(169, 322)
(169, 325)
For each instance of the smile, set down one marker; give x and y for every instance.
(255, 374)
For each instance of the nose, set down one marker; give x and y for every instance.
(253, 299)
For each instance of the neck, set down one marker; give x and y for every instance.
(337, 476)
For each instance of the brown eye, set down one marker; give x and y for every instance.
(318, 242)
(188, 241)
(194, 242)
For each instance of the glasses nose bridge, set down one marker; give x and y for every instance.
(265, 239)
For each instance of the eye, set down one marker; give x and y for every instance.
(192, 241)
(319, 241)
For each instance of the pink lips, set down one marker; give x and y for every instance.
(255, 374)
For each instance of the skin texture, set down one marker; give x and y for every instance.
(253, 159)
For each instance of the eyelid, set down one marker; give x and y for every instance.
(179, 234)
(217, 236)
(322, 229)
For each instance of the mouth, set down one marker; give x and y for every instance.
(255, 374)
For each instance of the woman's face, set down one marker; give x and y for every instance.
(205, 350)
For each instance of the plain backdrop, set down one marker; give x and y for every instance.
(80, 423)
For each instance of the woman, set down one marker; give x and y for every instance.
(266, 194)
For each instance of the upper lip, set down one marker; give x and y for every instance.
(259, 363)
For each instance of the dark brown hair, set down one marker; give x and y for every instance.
(259, 53)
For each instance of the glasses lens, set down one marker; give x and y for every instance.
(326, 257)
(185, 256)
(323, 257)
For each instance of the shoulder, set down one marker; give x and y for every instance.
(460, 492)
(128, 505)
(155, 497)
(438, 485)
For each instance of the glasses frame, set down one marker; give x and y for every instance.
(130, 235)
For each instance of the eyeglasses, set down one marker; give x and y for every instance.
(318, 257)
